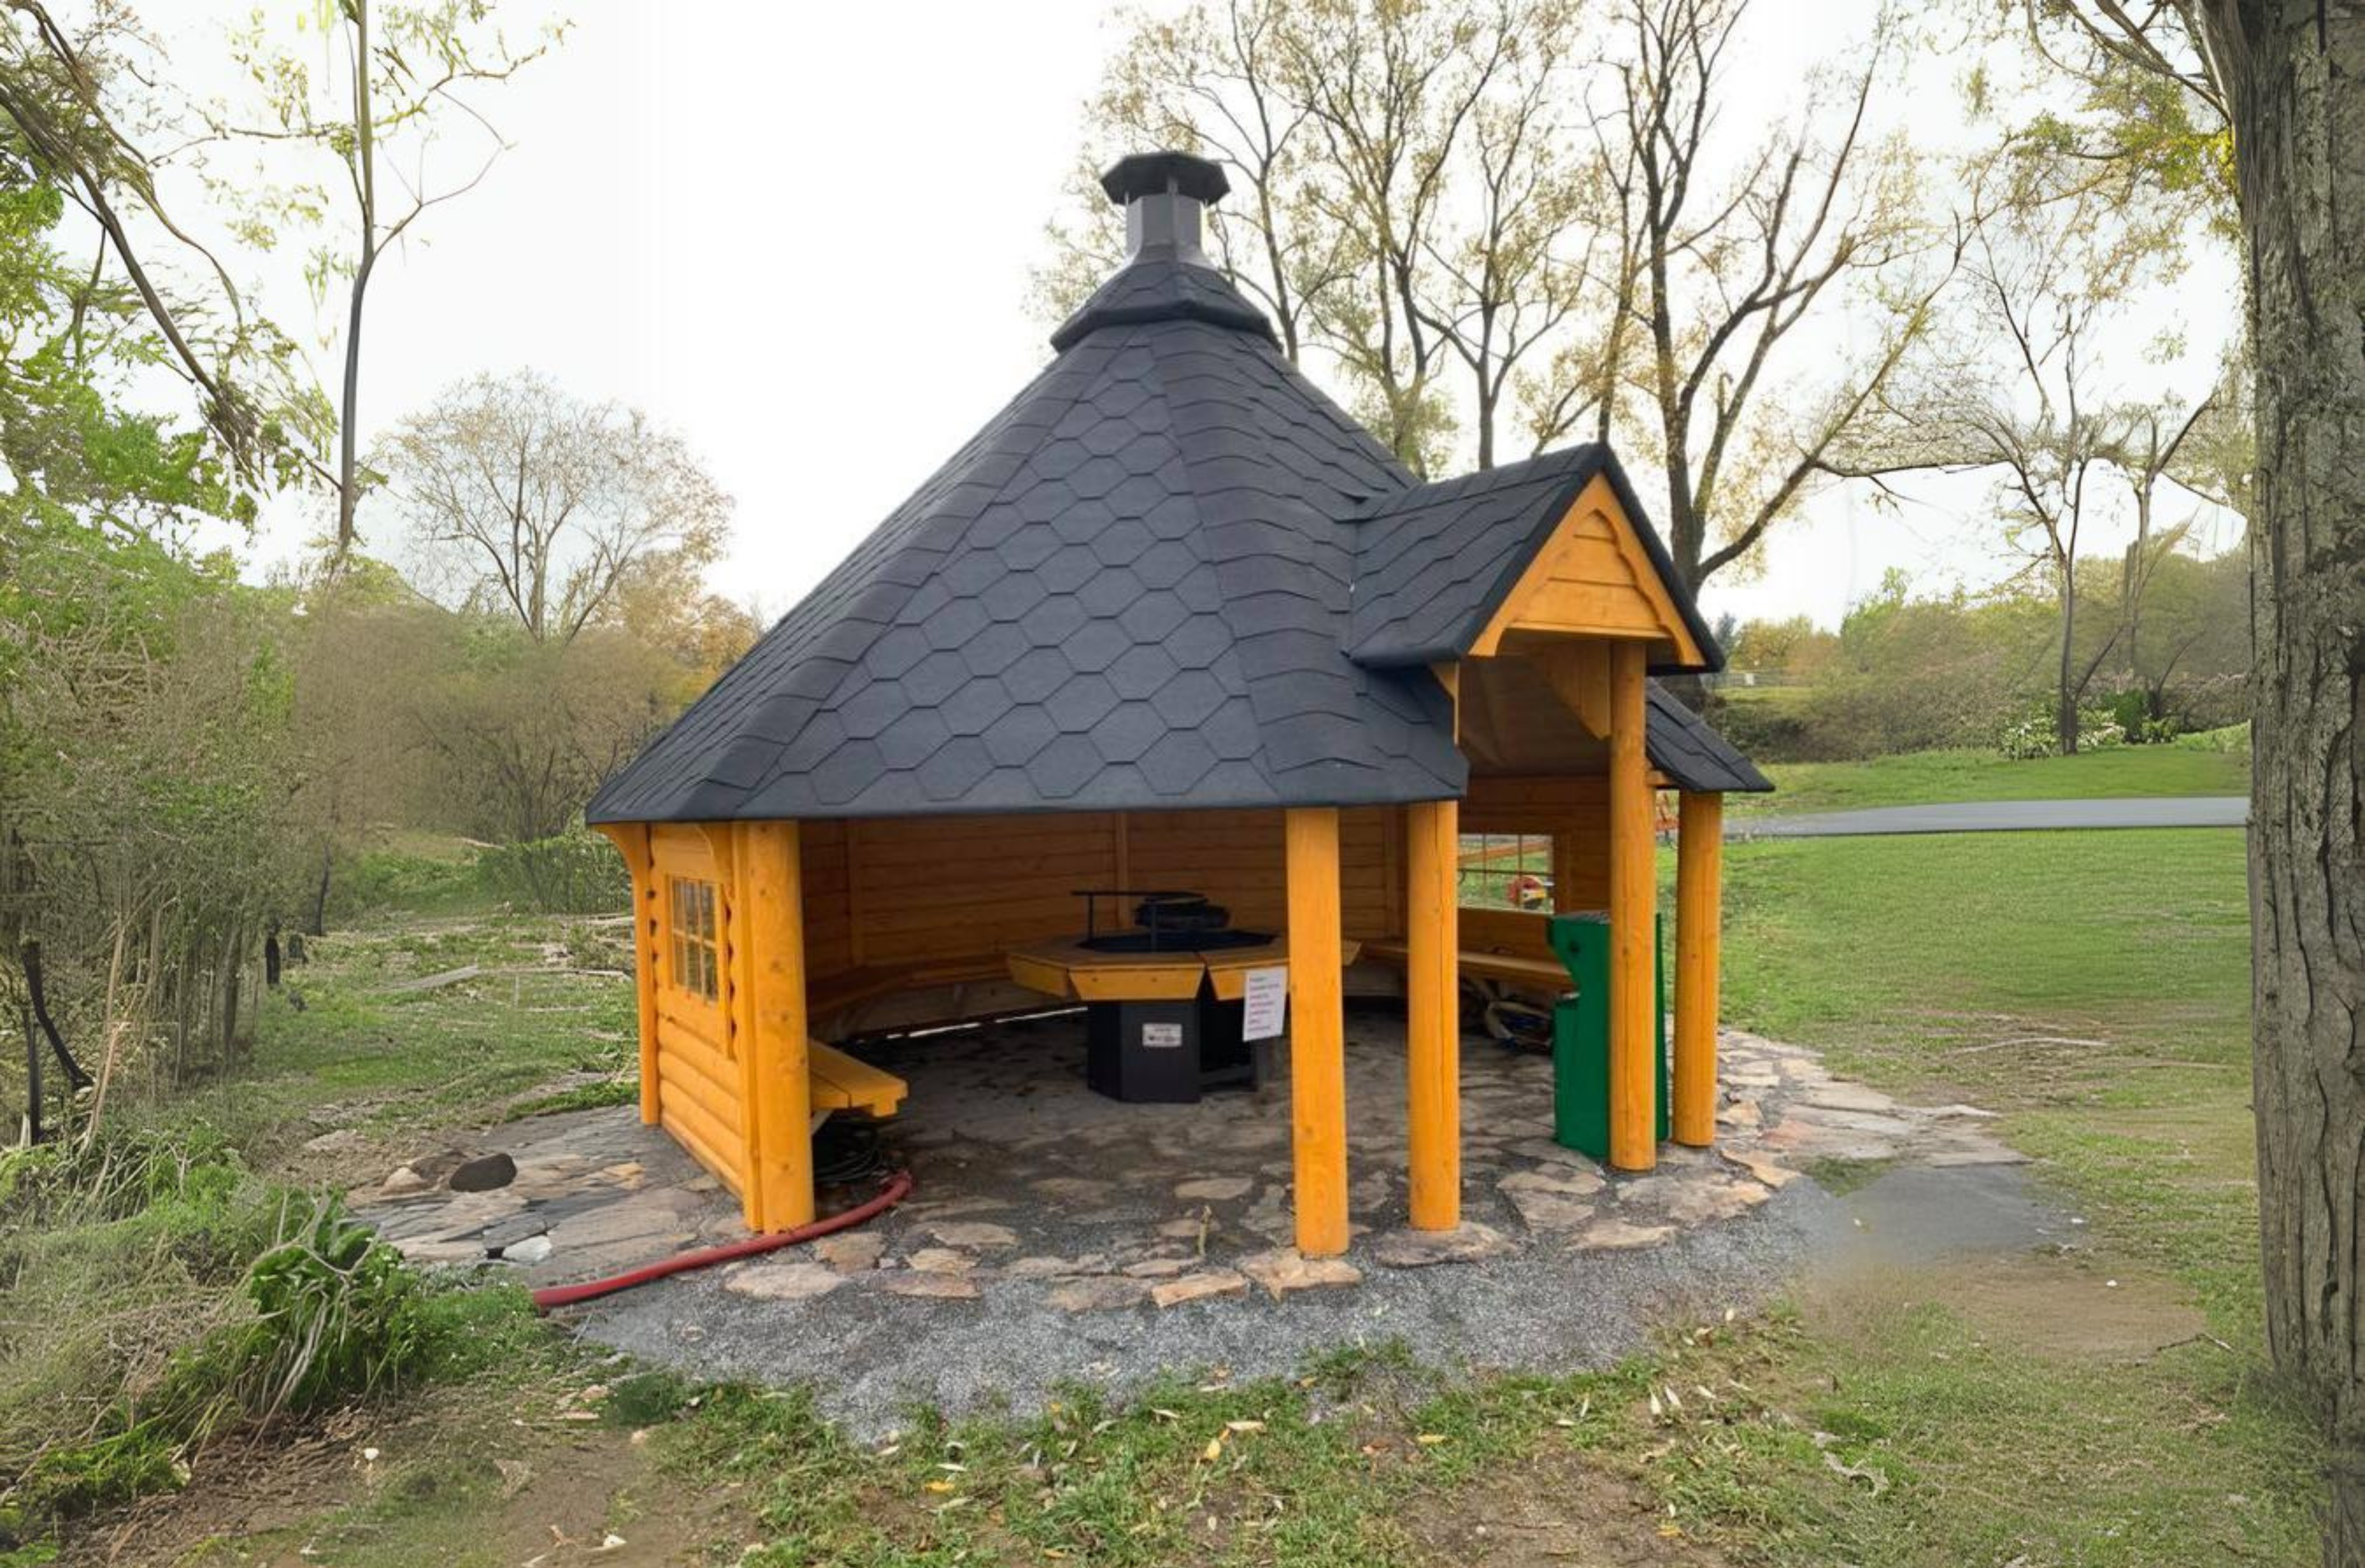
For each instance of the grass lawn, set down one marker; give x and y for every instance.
(2090, 987)
(1930, 776)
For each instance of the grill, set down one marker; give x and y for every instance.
(1167, 921)
(1167, 1051)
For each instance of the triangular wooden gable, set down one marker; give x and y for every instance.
(1593, 578)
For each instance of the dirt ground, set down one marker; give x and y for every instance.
(442, 1478)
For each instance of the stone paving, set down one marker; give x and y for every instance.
(1030, 1183)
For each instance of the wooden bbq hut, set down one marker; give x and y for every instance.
(1173, 620)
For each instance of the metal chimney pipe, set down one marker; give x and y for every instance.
(1165, 197)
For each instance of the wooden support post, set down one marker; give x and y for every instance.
(1317, 1031)
(780, 1114)
(1634, 879)
(1699, 855)
(632, 841)
(1433, 1011)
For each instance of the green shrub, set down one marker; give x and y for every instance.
(389, 880)
(576, 872)
(279, 1303)
(2232, 738)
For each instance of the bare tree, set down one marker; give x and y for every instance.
(1412, 192)
(1438, 205)
(530, 504)
(1732, 270)
(400, 79)
(97, 109)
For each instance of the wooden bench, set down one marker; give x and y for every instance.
(838, 1082)
(1508, 969)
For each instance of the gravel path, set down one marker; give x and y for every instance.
(874, 1359)
(1056, 1236)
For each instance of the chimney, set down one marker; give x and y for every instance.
(1165, 197)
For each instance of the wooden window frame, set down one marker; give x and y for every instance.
(693, 948)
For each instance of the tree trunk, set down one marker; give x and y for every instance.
(2292, 69)
(318, 924)
(2065, 697)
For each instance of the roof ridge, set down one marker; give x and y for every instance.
(1163, 288)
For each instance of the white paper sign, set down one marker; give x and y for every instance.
(1267, 1004)
(1161, 1037)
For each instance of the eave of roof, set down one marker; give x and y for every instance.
(1681, 745)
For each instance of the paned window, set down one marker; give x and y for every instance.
(697, 967)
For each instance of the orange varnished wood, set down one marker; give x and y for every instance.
(1699, 852)
(632, 841)
(771, 904)
(1633, 881)
(1593, 578)
(1318, 1061)
(1433, 1015)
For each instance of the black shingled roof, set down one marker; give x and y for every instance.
(1681, 746)
(1133, 588)
(1435, 562)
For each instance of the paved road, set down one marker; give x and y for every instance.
(2002, 816)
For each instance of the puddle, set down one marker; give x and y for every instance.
(1983, 1241)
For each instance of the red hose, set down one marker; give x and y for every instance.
(897, 1188)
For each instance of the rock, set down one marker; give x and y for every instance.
(1157, 1267)
(1549, 1210)
(1187, 1229)
(1099, 1293)
(1567, 1183)
(345, 1140)
(1765, 1171)
(531, 1249)
(401, 1182)
(485, 1174)
(850, 1251)
(1692, 1199)
(941, 1260)
(973, 1233)
(1547, 1151)
(1740, 1113)
(1206, 1285)
(1284, 1269)
(1215, 1189)
(1839, 1095)
(1072, 1189)
(1616, 1234)
(1465, 1243)
(784, 1281)
(937, 1287)
(1037, 1267)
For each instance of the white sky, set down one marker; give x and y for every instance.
(802, 236)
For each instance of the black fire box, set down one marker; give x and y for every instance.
(1167, 1053)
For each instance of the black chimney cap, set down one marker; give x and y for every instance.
(1153, 174)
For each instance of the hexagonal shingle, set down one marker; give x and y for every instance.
(1037, 675)
(1141, 670)
(913, 739)
(1064, 767)
(1018, 735)
(1080, 703)
(1186, 700)
(1096, 645)
(1127, 730)
(994, 649)
(954, 769)
(1176, 762)
(972, 709)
